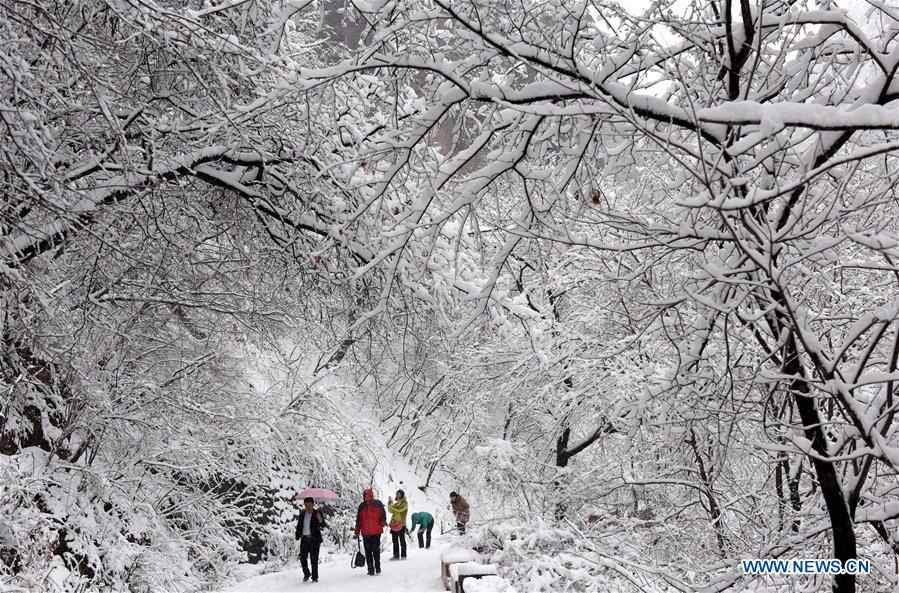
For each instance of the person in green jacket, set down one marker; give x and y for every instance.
(425, 523)
(398, 509)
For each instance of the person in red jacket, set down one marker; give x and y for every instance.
(371, 519)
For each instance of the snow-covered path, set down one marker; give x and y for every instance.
(390, 472)
(419, 572)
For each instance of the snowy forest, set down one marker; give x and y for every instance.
(626, 274)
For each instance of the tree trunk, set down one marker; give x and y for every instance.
(844, 546)
(714, 509)
(562, 457)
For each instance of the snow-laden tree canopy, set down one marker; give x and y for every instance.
(640, 263)
(717, 177)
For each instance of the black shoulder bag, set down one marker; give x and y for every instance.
(358, 557)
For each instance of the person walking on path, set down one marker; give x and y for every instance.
(461, 510)
(425, 523)
(370, 522)
(398, 509)
(309, 532)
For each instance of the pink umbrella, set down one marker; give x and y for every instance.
(317, 494)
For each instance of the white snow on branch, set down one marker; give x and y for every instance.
(819, 117)
(88, 201)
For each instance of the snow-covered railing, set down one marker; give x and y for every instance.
(460, 571)
(451, 557)
(489, 584)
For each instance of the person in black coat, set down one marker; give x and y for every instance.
(309, 532)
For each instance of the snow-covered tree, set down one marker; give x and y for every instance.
(166, 237)
(738, 156)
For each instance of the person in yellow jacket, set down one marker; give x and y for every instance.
(398, 508)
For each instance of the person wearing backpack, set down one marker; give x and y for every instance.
(398, 509)
(425, 523)
(370, 522)
(309, 532)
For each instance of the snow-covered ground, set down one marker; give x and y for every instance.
(389, 472)
(419, 572)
